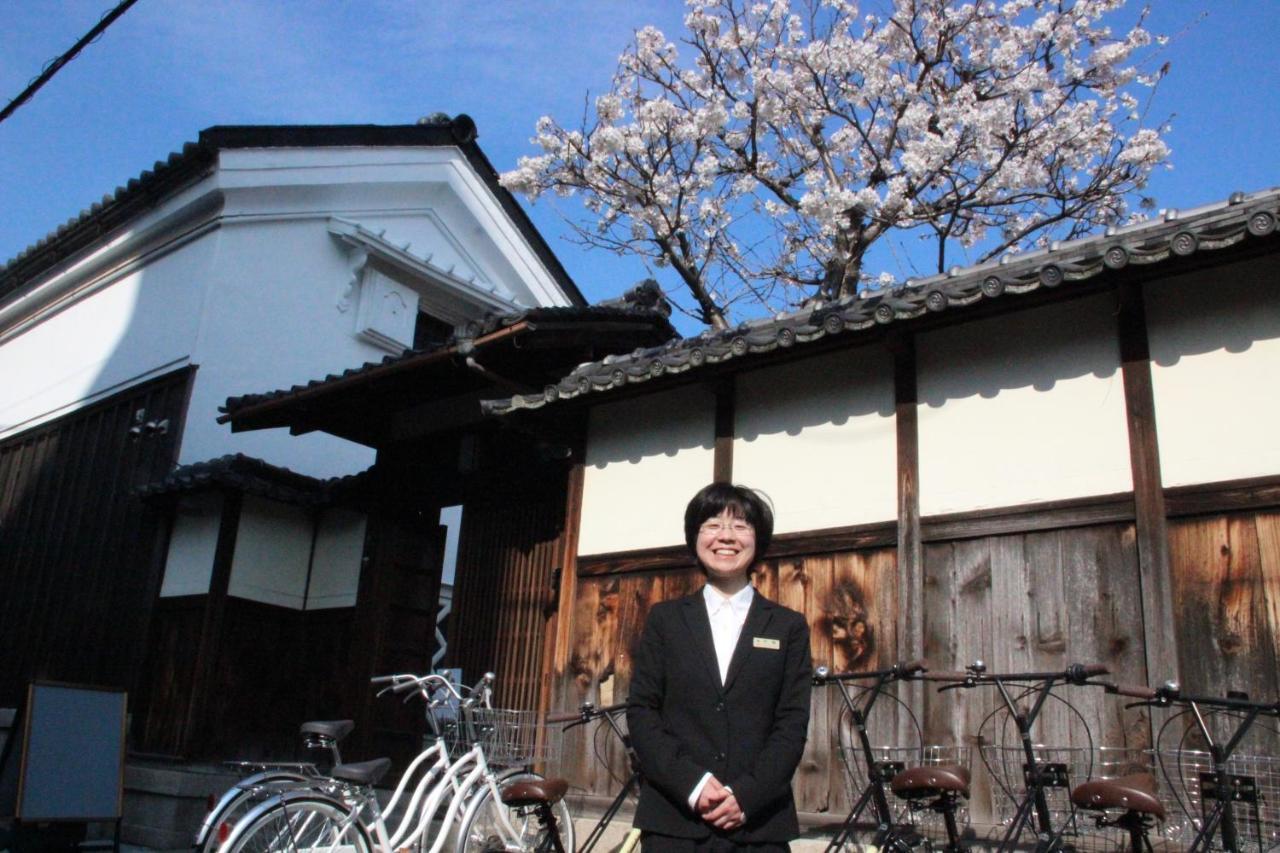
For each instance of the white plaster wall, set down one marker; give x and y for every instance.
(818, 437)
(189, 565)
(135, 325)
(1215, 352)
(1022, 407)
(645, 458)
(273, 321)
(273, 549)
(335, 567)
(397, 188)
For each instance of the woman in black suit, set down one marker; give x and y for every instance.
(719, 703)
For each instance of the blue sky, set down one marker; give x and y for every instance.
(169, 68)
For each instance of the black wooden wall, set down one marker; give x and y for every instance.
(81, 556)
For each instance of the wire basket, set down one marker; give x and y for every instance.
(1068, 767)
(1188, 795)
(895, 759)
(509, 738)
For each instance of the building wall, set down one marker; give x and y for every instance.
(1021, 408)
(645, 458)
(817, 436)
(1215, 352)
(127, 325)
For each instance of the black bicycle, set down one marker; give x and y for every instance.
(936, 787)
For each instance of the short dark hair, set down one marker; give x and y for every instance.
(748, 504)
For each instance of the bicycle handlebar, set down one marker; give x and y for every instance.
(904, 670)
(1135, 691)
(1171, 693)
(976, 674)
(585, 713)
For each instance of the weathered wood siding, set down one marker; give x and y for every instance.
(1034, 602)
(1226, 576)
(849, 599)
(80, 555)
(508, 553)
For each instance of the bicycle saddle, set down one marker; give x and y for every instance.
(336, 729)
(530, 792)
(363, 772)
(931, 780)
(1136, 792)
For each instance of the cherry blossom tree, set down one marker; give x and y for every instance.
(766, 153)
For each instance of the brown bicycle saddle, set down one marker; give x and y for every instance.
(931, 780)
(1135, 792)
(529, 792)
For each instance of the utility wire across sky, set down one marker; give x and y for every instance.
(53, 67)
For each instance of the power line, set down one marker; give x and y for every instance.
(53, 67)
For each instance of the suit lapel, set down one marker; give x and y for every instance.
(699, 625)
(758, 616)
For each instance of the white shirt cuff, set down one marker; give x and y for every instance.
(697, 791)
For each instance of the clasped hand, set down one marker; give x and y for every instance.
(718, 806)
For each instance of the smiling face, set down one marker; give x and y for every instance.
(726, 548)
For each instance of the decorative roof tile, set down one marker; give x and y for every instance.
(196, 159)
(1171, 236)
(250, 475)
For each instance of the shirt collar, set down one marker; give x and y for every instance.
(740, 601)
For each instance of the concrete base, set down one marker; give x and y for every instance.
(164, 802)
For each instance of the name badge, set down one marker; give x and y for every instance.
(766, 643)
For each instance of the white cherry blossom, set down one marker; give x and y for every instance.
(765, 153)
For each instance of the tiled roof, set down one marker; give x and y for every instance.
(491, 324)
(249, 475)
(197, 159)
(1170, 237)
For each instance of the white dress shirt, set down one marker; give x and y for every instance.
(727, 615)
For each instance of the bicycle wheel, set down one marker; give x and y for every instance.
(313, 823)
(236, 801)
(484, 830)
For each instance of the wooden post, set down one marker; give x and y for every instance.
(1151, 526)
(558, 637)
(910, 641)
(722, 469)
(197, 718)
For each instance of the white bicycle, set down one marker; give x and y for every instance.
(493, 811)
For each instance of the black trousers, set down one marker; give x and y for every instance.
(652, 842)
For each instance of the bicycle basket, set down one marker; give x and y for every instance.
(1067, 767)
(1188, 794)
(509, 738)
(894, 759)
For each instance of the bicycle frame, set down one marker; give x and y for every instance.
(585, 714)
(1038, 776)
(1221, 815)
(874, 793)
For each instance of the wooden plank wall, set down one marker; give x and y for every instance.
(849, 598)
(508, 555)
(1035, 600)
(80, 555)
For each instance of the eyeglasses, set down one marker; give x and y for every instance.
(715, 527)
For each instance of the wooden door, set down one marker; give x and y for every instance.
(395, 630)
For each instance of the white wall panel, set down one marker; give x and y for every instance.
(818, 437)
(273, 548)
(140, 323)
(335, 566)
(189, 567)
(1215, 352)
(1021, 408)
(645, 458)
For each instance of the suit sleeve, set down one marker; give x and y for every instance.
(663, 760)
(770, 775)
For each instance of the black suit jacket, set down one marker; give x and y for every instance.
(749, 731)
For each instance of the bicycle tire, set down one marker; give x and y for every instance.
(236, 802)
(482, 832)
(301, 823)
